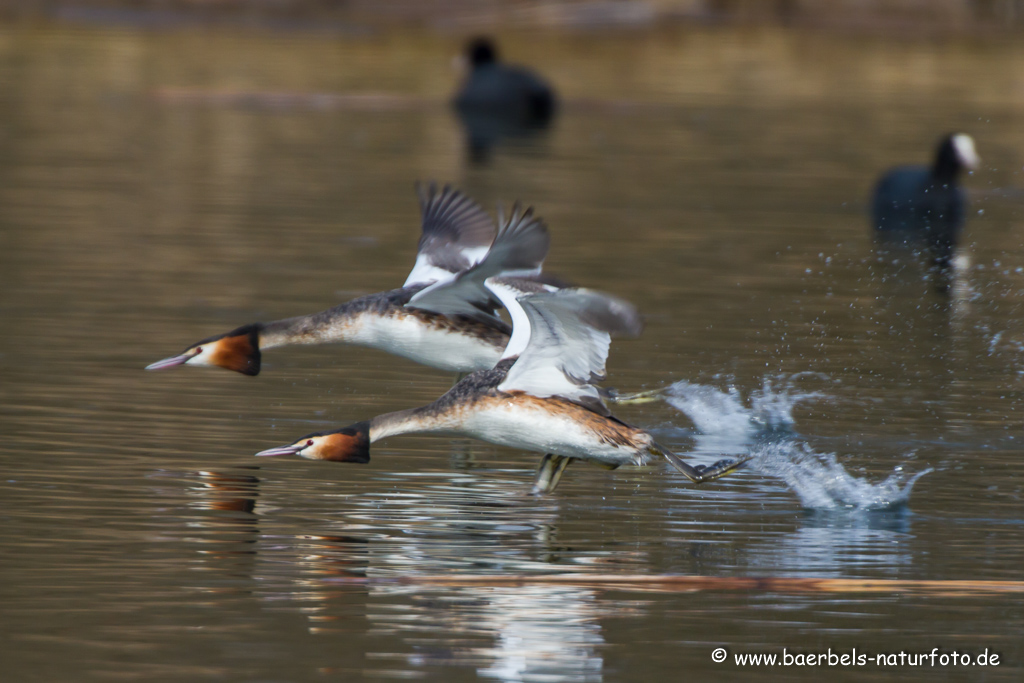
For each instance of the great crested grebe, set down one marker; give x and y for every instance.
(436, 318)
(924, 205)
(539, 397)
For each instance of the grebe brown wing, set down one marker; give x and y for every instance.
(519, 249)
(457, 232)
(561, 338)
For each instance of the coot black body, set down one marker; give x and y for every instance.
(923, 206)
(500, 100)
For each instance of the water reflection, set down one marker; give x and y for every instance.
(227, 491)
(900, 270)
(225, 529)
(449, 523)
(433, 523)
(485, 131)
(537, 633)
(831, 543)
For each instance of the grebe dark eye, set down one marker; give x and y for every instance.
(199, 349)
(309, 443)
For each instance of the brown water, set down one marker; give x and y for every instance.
(160, 187)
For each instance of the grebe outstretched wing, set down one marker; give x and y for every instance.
(456, 234)
(561, 338)
(518, 249)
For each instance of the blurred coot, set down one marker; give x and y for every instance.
(501, 100)
(923, 206)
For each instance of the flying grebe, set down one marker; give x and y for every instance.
(421, 321)
(540, 397)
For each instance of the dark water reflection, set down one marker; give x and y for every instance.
(717, 178)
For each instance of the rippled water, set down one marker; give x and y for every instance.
(160, 187)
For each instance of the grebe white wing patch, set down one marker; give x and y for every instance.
(519, 249)
(457, 233)
(567, 341)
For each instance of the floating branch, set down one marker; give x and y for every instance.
(683, 584)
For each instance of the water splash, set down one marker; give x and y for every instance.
(993, 343)
(763, 430)
(822, 483)
(714, 411)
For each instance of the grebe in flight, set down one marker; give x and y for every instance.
(454, 329)
(539, 397)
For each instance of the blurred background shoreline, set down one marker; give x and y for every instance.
(898, 18)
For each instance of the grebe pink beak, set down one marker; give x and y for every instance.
(172, 361)
(282, 450)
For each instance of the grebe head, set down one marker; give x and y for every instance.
(481, 51)
(351, 444)
(238, 350)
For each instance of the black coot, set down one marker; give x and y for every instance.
(923, 206)
(500, 100)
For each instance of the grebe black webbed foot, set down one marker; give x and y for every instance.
(699, 474)
(611, 395)
(718, 469)
(550, 472)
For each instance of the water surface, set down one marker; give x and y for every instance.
(160, 187)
